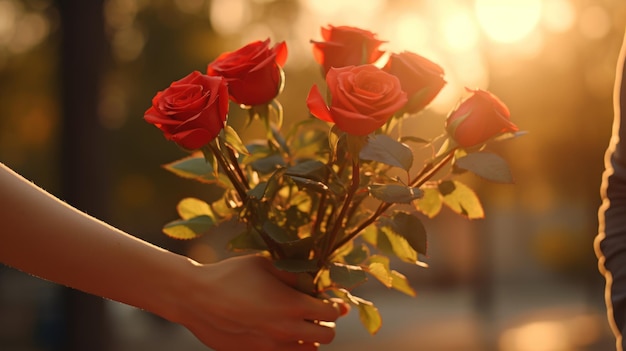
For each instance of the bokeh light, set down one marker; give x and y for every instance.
(459, 30)
(238, 15)
(595, 22)
(558, 15)
(551, 61)
(508, 21)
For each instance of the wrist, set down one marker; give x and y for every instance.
(173, 295)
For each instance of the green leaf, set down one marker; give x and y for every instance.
(486, 165)
(191, 207)
(294, 218)
(431, 203)
(191, 228)
(385, 245)
(370, 235)
(311, 169)
(447, 146)
(314, 185)
(379, 272)
(357, 255)
(258, 191)
(395, 193)
(277, 233)
(222, 209)
(274, 184)
(368, 313)
(370, 317)
(296, 266)
(280, 140)
(411, 228)
(461, 199)
(397, 244)
(510, 135)
(401, 283)
(269, 164)
(384, 149)
(247, 240)
(232, 139)
(347, 276)
(257, 150)
(379, 268)
(414, 139)
(298, 249)
(310, 174)
(192, 167)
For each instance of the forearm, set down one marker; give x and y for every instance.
(45, 237)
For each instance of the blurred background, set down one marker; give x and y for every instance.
(76, 77)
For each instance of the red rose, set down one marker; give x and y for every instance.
(363, 98)
(253, 73)
(191, 111)
(346, 46)
(478, 118)
(420, 78)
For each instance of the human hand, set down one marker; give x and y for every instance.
(245, 303)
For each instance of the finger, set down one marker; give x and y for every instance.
(288, 278)
(224, 341)
(316, 332)
(301, 281)
(344, 307)
(321, 310)
(298, 346)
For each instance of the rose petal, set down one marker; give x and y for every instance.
(316, 104)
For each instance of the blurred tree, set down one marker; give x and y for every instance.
(83, 160)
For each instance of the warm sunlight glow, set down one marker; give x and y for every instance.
(508, 21)
(535, 336)
(408, 31)
(459, 31)
(345, 12)
(333, 7)
(190, 6)
(238, 15)
(558, 15)
(595, 22)
(8, 15)
(567, 332)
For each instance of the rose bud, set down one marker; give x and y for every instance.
(346, 46)
(478, 118)
(420, 78)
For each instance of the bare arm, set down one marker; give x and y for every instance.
(240, 303)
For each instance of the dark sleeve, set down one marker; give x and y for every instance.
(610, 243)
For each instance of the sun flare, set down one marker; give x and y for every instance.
(508, 21)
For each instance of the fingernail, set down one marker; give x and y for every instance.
(342, 307)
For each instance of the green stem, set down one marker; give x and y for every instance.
(235, 164)
(422, 177)
(273, 247)
(319, 215)
(354, 186)
(428, 172)
(228, 170)
(321, 207)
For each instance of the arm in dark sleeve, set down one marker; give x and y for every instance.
(610, 243)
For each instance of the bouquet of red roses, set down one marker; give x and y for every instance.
(307, 195)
